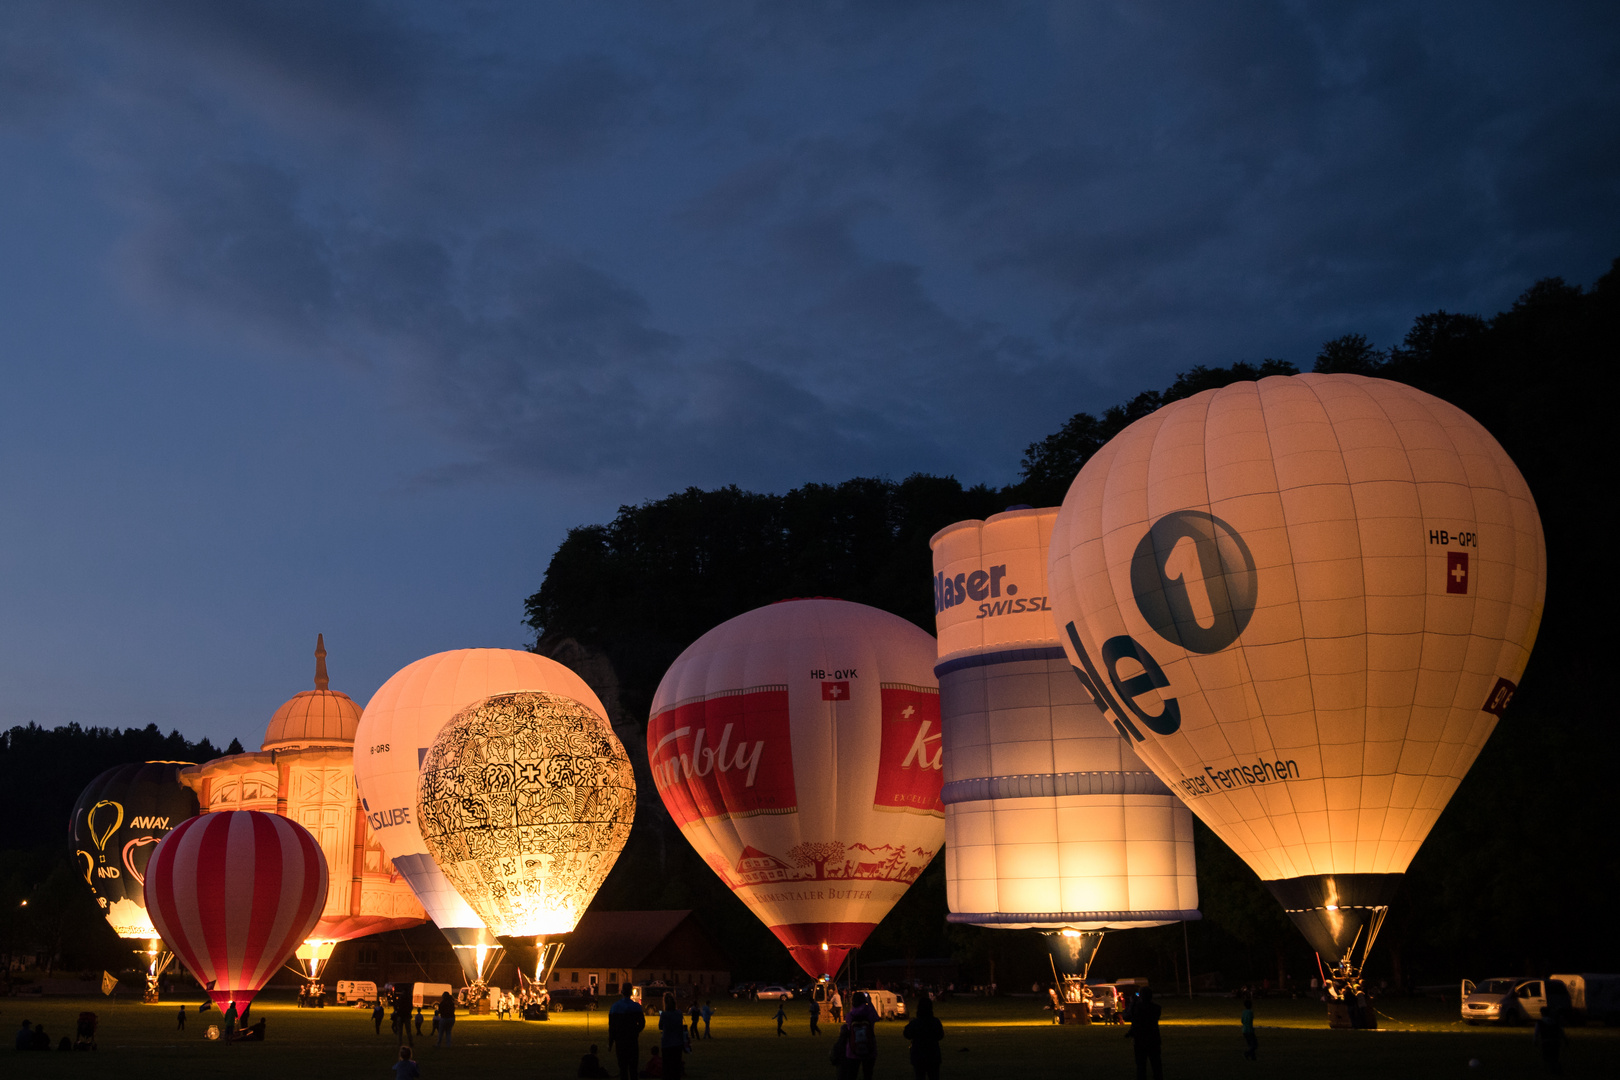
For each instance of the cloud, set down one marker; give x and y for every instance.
(641, 247)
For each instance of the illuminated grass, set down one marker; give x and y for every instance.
(1002, 1039)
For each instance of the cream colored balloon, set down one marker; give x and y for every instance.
(1306, 601)
(525, 801)
(1051, 821)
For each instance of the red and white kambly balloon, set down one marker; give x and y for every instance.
(797, 747)
(234, 893)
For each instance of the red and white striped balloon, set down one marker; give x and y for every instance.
(234, 893)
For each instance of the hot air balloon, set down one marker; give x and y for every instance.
(305, 771)
(235, 893)
(797, 748)
(117, 822)
(525, 801)
(398, 726)
(1051, 821)
(1305, 602)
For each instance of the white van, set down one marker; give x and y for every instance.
(355, 992)
(888, 1004)
(1593, 997)
(428, 994)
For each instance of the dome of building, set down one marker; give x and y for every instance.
(318, 717)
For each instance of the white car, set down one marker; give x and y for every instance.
(774, 993)
(1507, 1001)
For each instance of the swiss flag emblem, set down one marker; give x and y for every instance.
(835, 691)
(1456, 571)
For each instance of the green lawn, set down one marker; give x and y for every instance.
(994, 1040)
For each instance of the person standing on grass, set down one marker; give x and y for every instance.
(926, 1033)
(696, 1015)
(230, 1021)
(780, 1017)
(625, 1024)
(1251, 1043)
(1144, 1032)
(377, 1014)
(708, 1015)
(406, 1067)
(447, 1017)
(672, 1038)
(402, 1019)
(180, 1024)
(1549, 1036)
(815, 1018)
(860, 1038)
(418, 1019)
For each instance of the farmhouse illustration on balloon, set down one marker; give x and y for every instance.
(823, 861)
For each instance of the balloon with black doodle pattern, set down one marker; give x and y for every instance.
(525, 801)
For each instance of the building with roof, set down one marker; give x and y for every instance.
(670, 947)
(305, 772)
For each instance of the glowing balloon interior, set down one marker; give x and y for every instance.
(1051, 820)
(398, 726)
(797, 748)
(525, 801)
(234, 893)
(1305, 602)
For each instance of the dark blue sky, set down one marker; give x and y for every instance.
(335, 316)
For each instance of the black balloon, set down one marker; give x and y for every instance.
(117, 823)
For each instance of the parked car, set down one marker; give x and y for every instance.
(1593, 997)
(1509, 1001)
(775, 993)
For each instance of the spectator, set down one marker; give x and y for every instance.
(1144, 1032)
(590, 1066)
(815, 1018)
(708, 1015)
(625, 1024)
(672, 1038)
(230, 1021)
(377, 1015)
(447, 1017)
(1251, 1044)
(926, 1033)
(25, 1035)
(860, 1039)
(654, 1069)
(180, 1024)
(1549, 1036)
(406, 1068)
(781, 1016)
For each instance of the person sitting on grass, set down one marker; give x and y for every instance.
(406, 1068)
(590, 1066)
(654, 1067)
(25, 1035)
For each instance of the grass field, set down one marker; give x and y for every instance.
(998, 1039)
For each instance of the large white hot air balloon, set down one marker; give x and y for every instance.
(797, 747)
(1051, 820)
(398, 726)
(1305, 601)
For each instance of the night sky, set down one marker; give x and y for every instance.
(336, 316)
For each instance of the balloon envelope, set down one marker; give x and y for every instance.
(525, 801)
(1305, 602)
(1051, 820)
(117, 823)
(398, 726)
(234, 893)
(797, 748)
